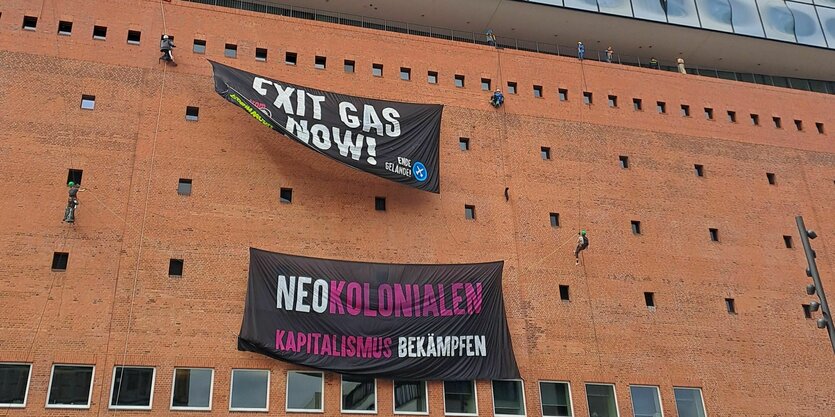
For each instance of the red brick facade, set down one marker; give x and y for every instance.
(116, 304)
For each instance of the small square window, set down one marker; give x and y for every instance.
(74, 175)
(469, 212)
(192, 389)
(819, 127)
(70, 386)
(555, 398)
(64, 28)
(714, 234)
(405, 74)
(731, 116)
(290, 58)
(88, 102)
(555, 219)
(755, 119)
(545, 152)
(261, 54)
(685, 110)
(636, 227)
(649, 299)
(432, 77)
(410, 397)
(700, 170)
(380, 203)
(15, 388)
(601, 399)
(250, 390)
(807, 311)
(199, 46)
(730, 305)
(661, 107)
(349, 66)
(230, 50)
(359, 394)
(689, 402)
(100, 33)
(787, 240)
(192, 113)
(778, 123)
(464, 144)
(508, 398)
(511, 87)
(637, 104)
(175, 267)
(132, 387)
(285, 195)
(587, 97)
(485, 84)
(624, 161)
(798, 124)
(772, 179)
(377, 70)
(708, 113)
(30, 22)
(563, 93)
(304, 391)
(184, 186)
(460, 398)
(134, 36)
(459, 81)
(537, 91)
(564, 294)
(59, 261)
(613, 101)
(320, 62)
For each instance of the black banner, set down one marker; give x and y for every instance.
(393, 140)
(413, 322)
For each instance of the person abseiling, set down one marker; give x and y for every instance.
(165, 46)
(497, 99)
(72, 202)
(582, 244)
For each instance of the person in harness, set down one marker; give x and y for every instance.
(72, 202)
(497, 99)
(165, 46)
(582, 244)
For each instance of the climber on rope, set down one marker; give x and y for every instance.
(497, 99)
(72, 202)
(165, 46)
(582, 244)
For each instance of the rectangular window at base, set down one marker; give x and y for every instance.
(689, 402)
(410, 397)
(460, 398)
(249, 390)
(192, 389)
(304, 391)
(646, 401)
(359, 394)
(555, 399)
(508, 398)
(14, 388)
(132, 388)
(601, 399)
(70, 386)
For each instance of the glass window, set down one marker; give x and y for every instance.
(777, 20)
(410, 397)
(460, 398)
(649, 9)
(556, 399)
(304, 391)
(70, 386)
(14, 384)
(508, 398)
(645, 401)
(689, 402)
(192, 389)
(682, 12)
(132, 388)
(827, 18)
(715, 14)
(746, 18)
(359, 394)
(582, 4)
(806, 25)
(250, 390)
(618, 7)
(601, 398)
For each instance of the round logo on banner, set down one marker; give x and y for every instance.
(420, 171)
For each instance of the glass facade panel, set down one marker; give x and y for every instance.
(830, 3)
(683, 12)
(689, 402)
(649, 9)
(806, 25)
(304, 391)
(715, 14)
(618, 7)
(645, 401)
(827, 17)
(746, 18)
(582, 4)
(777, 20)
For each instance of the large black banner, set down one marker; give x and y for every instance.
(393, 140)
(387, 320)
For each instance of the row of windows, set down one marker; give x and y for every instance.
(320, 62)
(132, 388)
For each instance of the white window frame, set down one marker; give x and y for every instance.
(614, 393)
(657, 393)
(89, 395)
(211, 390)
(425, 396)
(475, 397)
(150, 405)
(524, 400)
(701, 396)
(231, 382)
(570, 396)
(28, 384)
(304, 410)
(341, 410)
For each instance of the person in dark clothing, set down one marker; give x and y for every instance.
(497, 99)
(165, 46)
(72, 202)
(582, 244)
(653, 63)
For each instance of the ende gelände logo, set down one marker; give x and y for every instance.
(420, 171)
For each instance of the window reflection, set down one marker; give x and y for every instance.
(828, 22)
(715, 14)
(618, 7)
(649, 9)
(806, 25)
(777, 20)
(682, 12)
(582, 4)
(746, 19)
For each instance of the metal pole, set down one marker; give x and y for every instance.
(816, 279)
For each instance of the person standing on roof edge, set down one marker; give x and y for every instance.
(581, 50)
(609, 54)
(491, 38)
(582, 244)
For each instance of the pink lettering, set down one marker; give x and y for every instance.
(279, 342)
(336, 297)
(367, 310)
(402, 300)
(354, 302)
(384, 300)
(456, 299)
(445, 312)
(429, 304)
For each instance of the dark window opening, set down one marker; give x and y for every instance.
(290, 58)
(788, 241)
(192, 113)
(637, 104)
(464, 144)
(624, 161)
(134, 36)
(459, 81)
(755, 119)
(661, 107)
(563, 94)
(587, 97)
(349, 66)
(778, 122)
(555, 219)
(636, 227)
(30, 22)
(537, 91)
(485, 84)
(700, 170)
(88, 102)
(613, 101)
(708, 113)
(285, 195)
(230, 50)
(199, 46)
(59, 261)
(685, 110)
(731, 116)
(380, 203)
(819, 127)
(261, 54)
(730, 305)
(649, 299)
(807, 311)
(100, 32)
(320, 62)
(772, 179)
(545, 152)
(184, 186)
(175, 267)
(564, 295)
(377, 70)
(405, 74)
(799, 125)
(64, 28)
(74, 175)
(432, 77)
(511, 87)
(469, 212)
(714, 234)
